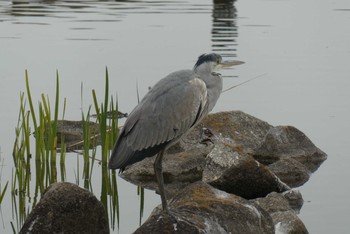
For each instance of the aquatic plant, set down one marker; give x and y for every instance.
(38, 138)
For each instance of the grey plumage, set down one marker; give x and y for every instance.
(167, 112)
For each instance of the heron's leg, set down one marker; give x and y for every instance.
(159, 173)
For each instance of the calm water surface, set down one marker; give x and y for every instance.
(302, 47)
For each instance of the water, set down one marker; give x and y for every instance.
(301, 46)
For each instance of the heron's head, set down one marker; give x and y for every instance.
(213, 63)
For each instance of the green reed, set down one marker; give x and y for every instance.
(2, 190)
(21, 157)
(45, 134)
(40, 126)
(108, 135)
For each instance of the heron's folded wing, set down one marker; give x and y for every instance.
(166, 115)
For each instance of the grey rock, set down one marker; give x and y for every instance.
(72, 133)
(290, 171)
(289, 142)
(200, 208)
(294, 199)
(242, 128)
(273, 202)
(238, 173)
(284, 154)
(283, 214)
(242, 155)
(67, 208)
(179, 170)
(287, 222)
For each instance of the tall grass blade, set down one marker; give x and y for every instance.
(30, 101)
(2, 193)
(141, 193)
(86, 148)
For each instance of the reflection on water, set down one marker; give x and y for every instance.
(224, 31)
(91, 12)
(224, 28)
(106, 8)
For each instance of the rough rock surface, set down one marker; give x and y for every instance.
(283, 209)
(290, 171)
(242, 155)
(238, 173)
(288, 142)
(200, 208)
(280, 152)
(179, 170)
(67, 208)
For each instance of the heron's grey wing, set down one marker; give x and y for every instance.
(167, 115)
(167, 112)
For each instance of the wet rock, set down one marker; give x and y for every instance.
(294, 199)
(241, 155)
(240, 174)
(290, 171)
(288, 223)
(278, 202)
(72, 133)
(67, 208)
(282, 211)
(288, 142)
(179, 170)
(200, 208)
(237, 127)
(113, 114)
(284, 154)
(242, 128)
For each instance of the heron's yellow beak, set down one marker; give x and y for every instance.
(225, 64)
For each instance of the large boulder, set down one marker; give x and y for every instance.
(179, 170)
(237, 154)
(200, 208)
(283, 211)
(67, 208)
(283, 142)
(238, 173)
(290, 171)
(242, 155)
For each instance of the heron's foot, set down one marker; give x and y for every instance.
(206, 136)
(171, 214)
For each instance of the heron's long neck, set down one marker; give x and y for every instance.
(214, 86)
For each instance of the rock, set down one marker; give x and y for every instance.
(73, 134)
(294, 199)
(288, 223)
(113, 114)
(282, 152)
(283, 214)
(72, 131)
(67, 208)
(237, 127)
(200, 208)
(242, 155)
(240, 174)
(288, 142)
(179, 170)
(274, 202)
(290, 171)
(242, 128)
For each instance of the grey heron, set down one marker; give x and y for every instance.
(170, 109)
